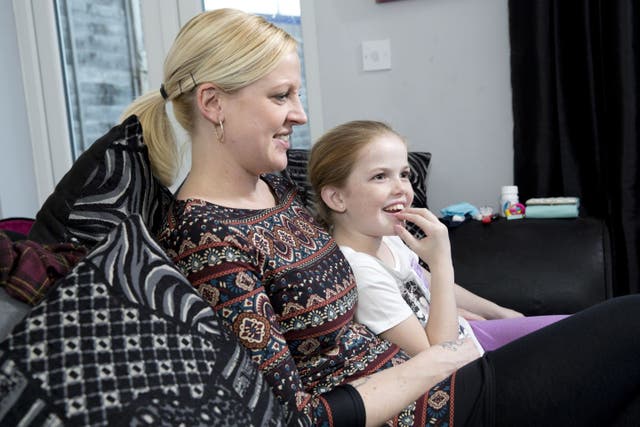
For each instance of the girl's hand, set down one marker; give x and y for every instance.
(435, 247)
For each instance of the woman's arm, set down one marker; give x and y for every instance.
(387, 392)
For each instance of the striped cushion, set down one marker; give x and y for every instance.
(106, 184)
(419, 162)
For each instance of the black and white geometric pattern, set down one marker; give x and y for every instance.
(106, 184)
(296, 172)
(124, 339)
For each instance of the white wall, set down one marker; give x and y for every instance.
(448, 90)
(17, 183)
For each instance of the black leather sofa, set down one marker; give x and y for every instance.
(536, 266)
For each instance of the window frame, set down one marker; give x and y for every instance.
(42, 74)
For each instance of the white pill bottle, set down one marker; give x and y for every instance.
(508, 197)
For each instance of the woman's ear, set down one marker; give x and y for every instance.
(208, 101)
(332, 197)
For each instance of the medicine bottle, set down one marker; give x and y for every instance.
(509, 196)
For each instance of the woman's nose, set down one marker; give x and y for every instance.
(297, 114)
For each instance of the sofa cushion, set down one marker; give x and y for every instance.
(535, 266)
(296, 172)
(419, 162)
(107, 183)
(124, 339)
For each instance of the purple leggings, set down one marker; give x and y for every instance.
(495, 333)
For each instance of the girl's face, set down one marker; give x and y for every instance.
(377, 187)
(259, 118)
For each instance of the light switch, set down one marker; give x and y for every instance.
(376, 55)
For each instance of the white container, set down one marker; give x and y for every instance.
(508, 197)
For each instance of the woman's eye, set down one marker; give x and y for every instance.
(379, 177)
(406, 175)
(282, 96)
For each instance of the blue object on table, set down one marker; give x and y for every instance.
(461, 209)
(552, 211)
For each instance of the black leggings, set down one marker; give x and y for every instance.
(583, 370)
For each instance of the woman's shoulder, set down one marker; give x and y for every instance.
(191, 222)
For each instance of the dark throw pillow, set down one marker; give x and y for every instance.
(124, 339)
(419, 163)
(106, 184)
(296, 172)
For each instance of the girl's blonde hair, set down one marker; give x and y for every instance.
(227, 47)
(333, 155)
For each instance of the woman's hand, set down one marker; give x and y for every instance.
(434, 248)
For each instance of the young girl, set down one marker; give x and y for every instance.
(360, 173)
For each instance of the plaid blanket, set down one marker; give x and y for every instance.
(29, 269)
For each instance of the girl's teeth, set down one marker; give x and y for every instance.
(394, 208)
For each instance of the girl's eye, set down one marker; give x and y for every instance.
(379, 177)
(406, 175)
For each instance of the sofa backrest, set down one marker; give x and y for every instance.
(535, 266)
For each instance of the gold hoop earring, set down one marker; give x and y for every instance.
(221, 139)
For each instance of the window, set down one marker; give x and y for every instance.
(104, 64)
(286, 15)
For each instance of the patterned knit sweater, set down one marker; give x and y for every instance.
(281, 284)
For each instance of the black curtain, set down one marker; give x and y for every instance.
(575, 75)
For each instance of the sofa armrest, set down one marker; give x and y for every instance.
(536, 266)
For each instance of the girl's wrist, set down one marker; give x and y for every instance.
(444, 264)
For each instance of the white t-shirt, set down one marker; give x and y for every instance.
(388, 296)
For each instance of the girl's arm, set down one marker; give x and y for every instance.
(469, 301)
(435, 250)
(475, 307)
(409, 335)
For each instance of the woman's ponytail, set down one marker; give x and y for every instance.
(158, 135)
